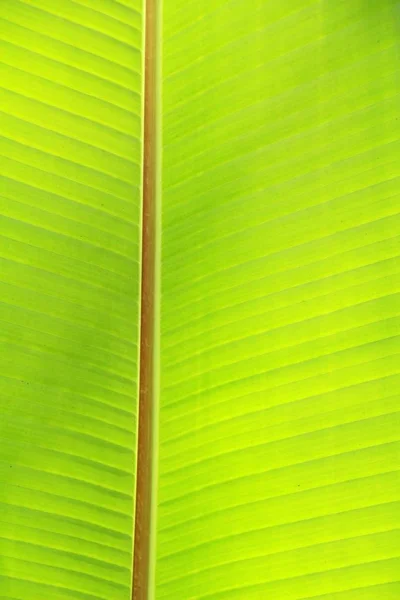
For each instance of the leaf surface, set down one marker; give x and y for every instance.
(279, 422)
(70, 203)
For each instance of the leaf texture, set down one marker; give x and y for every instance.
(279, 422)
(70, 212)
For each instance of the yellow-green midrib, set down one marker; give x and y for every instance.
(70, 196)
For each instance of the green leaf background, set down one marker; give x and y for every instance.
(277, 459)
(279, 420)
(70, 194)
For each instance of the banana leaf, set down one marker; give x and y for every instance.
(272, 471)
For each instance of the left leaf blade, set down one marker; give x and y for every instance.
(70, 213)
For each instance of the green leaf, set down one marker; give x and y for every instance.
(279, 421)
(276, 354)
(70, 196)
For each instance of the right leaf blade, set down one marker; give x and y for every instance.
(279, 352)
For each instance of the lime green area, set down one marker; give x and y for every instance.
(280, 387)
(70, 210)
(278, 417)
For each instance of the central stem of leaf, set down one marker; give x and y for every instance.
(144, 472)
